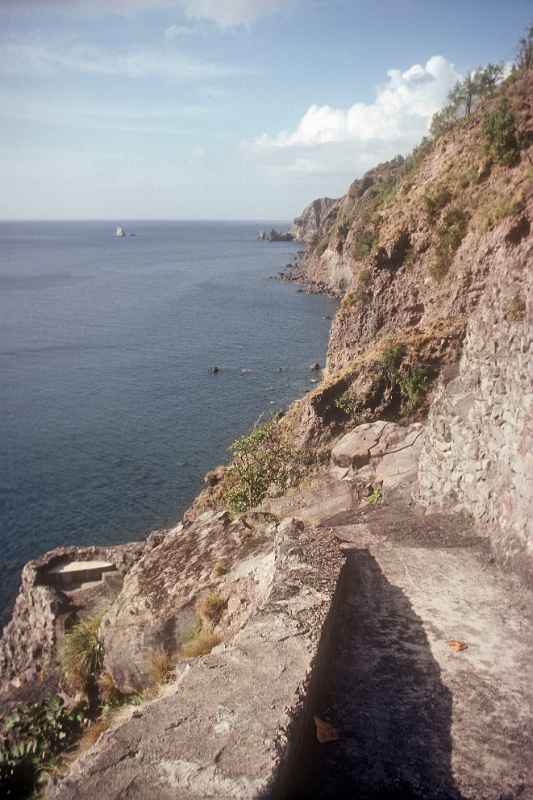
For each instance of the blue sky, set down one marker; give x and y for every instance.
(222, 109)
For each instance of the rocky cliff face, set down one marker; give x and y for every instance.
(433, 257)
(308, 226)
(417, 447)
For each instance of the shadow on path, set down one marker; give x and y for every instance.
(376, 681)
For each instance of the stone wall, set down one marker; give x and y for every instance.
(478, 451)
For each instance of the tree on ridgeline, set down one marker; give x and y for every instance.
(525, 50)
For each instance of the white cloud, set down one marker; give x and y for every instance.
(330, 146)
(402, 109)
(43, 59)
(227, 13)
(178, 32)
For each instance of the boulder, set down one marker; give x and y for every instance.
(381, 453)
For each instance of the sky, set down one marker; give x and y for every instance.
(223, 109)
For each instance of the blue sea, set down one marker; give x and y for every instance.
(109, 417)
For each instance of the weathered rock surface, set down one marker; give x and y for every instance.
(30, 641)
(382, 455)
(220, 731)
(308, 225)
(157, 605)
(478, 453)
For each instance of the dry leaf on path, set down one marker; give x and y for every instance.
(456, 645)
(325, 732)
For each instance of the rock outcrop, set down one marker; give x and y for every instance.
(44, 608)
(309, 224)
(395, 672)
(275, 236)
(221, 728)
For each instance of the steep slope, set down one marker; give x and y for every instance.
(406, 670)
(307, 226)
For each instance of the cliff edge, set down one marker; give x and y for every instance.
(348, 604)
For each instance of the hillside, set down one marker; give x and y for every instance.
(348, 603)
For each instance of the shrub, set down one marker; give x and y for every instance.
(262, 459)
(414, 159)
(493, 214)
(211, 608)
(108, 691)
(346, 403)
(219, 568)
(413, 386)
(363, 244)
(390, 360)
(159, 667)
(436, 201)
(199, 642)
(30, 737)
(499, 130)
(450, 235)
(376, 496)
(82, 654)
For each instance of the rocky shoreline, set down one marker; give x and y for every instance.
(369, 610)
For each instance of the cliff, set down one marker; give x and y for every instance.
(363, 618)
(313, 219)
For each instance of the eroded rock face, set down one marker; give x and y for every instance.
(157, 605)
(478, 452)
(308, 225)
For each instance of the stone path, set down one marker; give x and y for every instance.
(415, 718)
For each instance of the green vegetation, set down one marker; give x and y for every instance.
(493, 214)
(363, 244)
(31, 737)
(375, 497)
(82, 654)
(346, 404)
(413, 386)
(499, 130)
(418, 154)
(262, 459)
(436, 201)
(391, 359)
(411, 381)
(464, 97)
(450, 235)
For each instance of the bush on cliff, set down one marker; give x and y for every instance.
(31, 736)
(262, 459)
(82, 655)
(499, 130)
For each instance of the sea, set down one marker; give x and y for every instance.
(109, 413)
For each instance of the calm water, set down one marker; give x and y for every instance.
(108, 416)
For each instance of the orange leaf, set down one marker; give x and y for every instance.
(325, 732)
(456, 645)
